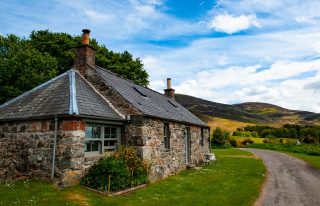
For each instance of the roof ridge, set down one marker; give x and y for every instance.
(101, 68)
(105, 99)
(34, 89)
(73, 105)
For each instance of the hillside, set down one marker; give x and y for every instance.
(225, 115)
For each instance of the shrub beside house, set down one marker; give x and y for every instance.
(59, 129)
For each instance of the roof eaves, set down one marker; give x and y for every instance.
(179, 121)
(73, 106)
(32, 90)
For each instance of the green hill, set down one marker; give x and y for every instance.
(245, 113)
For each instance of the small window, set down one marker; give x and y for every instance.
(166, 133)
(202, 137)
(140, 92)
(173, 104)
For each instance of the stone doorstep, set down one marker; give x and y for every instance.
(122, 192)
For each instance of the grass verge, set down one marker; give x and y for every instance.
(231, 180)
(310, 149)
(307, 152)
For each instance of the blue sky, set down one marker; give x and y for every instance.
(225, 51)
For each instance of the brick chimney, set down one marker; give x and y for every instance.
(85, 54)
(169, 92)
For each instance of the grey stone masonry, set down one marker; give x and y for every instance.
(147, 135)
(27, 148)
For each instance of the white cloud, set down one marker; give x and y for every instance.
(97, 16)
(232, 24)
(158, 85)
(250, 84)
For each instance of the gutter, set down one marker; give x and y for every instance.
(54, 146)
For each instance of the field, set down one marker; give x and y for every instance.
(226, 124)
(258, 140)
(234, 179)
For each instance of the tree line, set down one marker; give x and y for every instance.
(28, 62)
(305, 133)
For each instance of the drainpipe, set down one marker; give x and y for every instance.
(54, 146)
(209, 141)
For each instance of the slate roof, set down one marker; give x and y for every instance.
(149, 102)
(67, 94)
(71, 94)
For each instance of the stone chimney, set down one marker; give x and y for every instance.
(85, 54)
(169, 92)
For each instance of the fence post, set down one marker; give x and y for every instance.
(109, 183)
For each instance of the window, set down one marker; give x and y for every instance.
(99, 139)
(140, 92)
(166, 133)
(172, 103)
(202, 137)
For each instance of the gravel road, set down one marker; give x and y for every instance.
(290, 181)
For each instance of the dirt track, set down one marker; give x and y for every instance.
(290, 181)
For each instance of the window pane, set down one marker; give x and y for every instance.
(113, 131)
(96, 132)
(87, 146)
(92, 146)
(107, 132)
(93, 132)
(88, 133)
(110, 142)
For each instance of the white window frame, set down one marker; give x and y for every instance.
(102, 138)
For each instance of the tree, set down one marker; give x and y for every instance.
(22, 67)
(293, 133)
(266, 133)
(220, 136)
(62, 45)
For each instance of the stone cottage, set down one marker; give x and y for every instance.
(60, 128)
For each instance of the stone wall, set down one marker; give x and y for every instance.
(147, 135)
(27, 147)
(70, 160)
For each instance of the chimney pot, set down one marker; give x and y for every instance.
(169, 92)
(168, 83)
(85, 36)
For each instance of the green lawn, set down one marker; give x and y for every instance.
(311, 159)
(307, 152)
(234, 179)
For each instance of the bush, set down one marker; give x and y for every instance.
(233, 142)
(309, 140)
(266, 140)
(220, 137)
(247, 141)
(97, 177)
(125, 168)
(137, 167)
